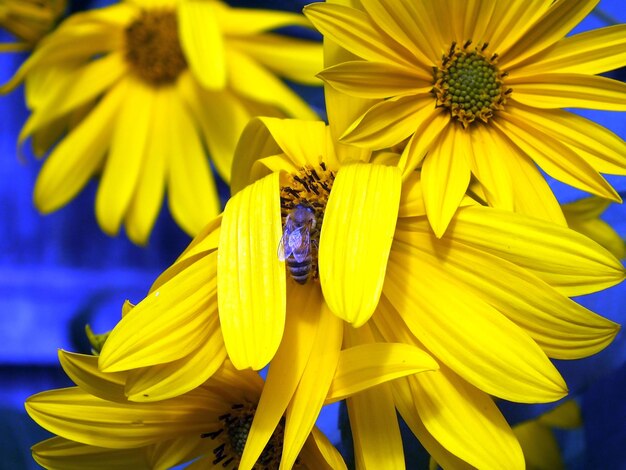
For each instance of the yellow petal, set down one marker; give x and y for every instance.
(319, 453)
(128, 144)
(58, 453)
(354, 30)
(541, 448)
(389, 122)
(252, 283)
(79, 154)
(309, 397)
(591, 52)
(446, 176)
(560, 18)
(364, 366)
(247, 21)
(565, 416)
(431, 126)
(412, 197)
(569, 90)
(357, 231)
(463, 331)
(168, 324)
(83, 370)
(292, 58)
(554, 157)
(302, 330)
(568, 261)
(202, 42)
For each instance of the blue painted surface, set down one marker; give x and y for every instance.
(58, 272)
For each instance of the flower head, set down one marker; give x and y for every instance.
(476, 89)
(136, 92)
(28, 20)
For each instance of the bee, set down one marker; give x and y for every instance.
(295, 244)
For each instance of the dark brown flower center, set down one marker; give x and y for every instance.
(153, 48)
(470, 84)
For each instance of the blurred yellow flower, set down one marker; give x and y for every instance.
(28, 20)
(138, 92)
(476, 88)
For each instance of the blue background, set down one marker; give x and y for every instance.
(59, 272)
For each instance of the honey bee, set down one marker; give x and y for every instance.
(295, 244)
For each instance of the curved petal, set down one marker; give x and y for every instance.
(128, 145)
(431, 126)
(571, 263)
(246, 21)
(445, 177)
(319, 453)
(463, 331)
(202, 42)
(79, 154)
(367, 365)
(541, 448)
(591, 52)
(569, 90)
(83, 370)
(355, 239)
(251, 279)
(168, 324)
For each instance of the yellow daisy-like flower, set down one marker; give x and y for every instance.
(489, 301)
(476, 88)
(99, 428)
(141, 88)
(28, 20)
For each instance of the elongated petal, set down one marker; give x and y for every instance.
(412, 197)
(432, 125)
(79, 155)
(292, 58)
(175, 378)
(568, 261)
(463, 331)
(445, 177)
(251, 287)
(354, 30)
(248, 21)
(309, 397)
(202, 42)
(560, 18)
(74, 414)
(569, 90)
(389, 122)
(561, 327)
(319, 453)
(302, 330)
(375, 431)
(591, 52)
(128, 144)
(168, 324)
(364, 366)
(554, 157)
(602, 149)
(541, 448)
(364, 200)
(83, 370)
(58, 453)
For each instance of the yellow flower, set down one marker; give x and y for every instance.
(489, 301)
(584, 217)
(100, 428)
(28, 20)
(475, 88)
(141, 89)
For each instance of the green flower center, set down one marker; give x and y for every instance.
(153, 48)
(235, 428)
(305, 192)
(470, 84)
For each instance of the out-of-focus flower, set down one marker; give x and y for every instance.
(489, 301)
(28, 20)
(100, 428)
(584, 217)
(476, 88)
(139, 91)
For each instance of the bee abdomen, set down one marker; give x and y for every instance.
(299, 270)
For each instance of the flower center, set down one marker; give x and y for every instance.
(303, 201)
(469, 83)
(235, 429)
(153, 48)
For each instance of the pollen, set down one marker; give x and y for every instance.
(469, 83)
(232, 437)
(153, 48)
(309, 187)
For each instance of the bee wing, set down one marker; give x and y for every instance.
(284, 248)
(301, 250)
